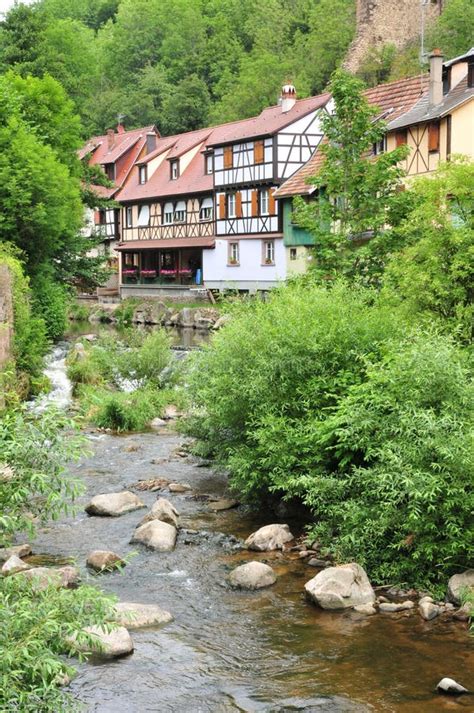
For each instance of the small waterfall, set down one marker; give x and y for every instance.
(60, 394)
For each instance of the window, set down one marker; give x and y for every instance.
(174, 170)
(180, 212)
(233, 257)
(264, 201)
(206, 211)
(142, 175)
(433, 137)
(258, 151)
(228, 157)
(128, 217)
(268, 252)
(168, 212)
(231, 205)
(401, 137)
(109, 169)
(378, 147)
(209, 164)
(102, 217)
(470, 75)
(143, 215)
(293, 254)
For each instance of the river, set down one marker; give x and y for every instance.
(230, 651)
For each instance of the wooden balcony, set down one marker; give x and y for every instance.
(201, 229)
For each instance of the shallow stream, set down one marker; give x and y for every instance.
(232, 651)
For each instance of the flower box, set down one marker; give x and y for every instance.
(185, 271)
(129, 272)
(148, 273)
(168, 273)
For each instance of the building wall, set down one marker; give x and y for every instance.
(193, 227)
(296, 143)
(250, 273)
(246, 224)
(462, 133)
(293, 235)
(244, 169)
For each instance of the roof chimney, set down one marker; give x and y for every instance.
(110, 139)
(120, 128)
(150, 141)
(436, 78)
(288, 97)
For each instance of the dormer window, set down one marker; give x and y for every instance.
(109, 170)
(142, 175)
(174, 170)
(378, 147)
(209, 164)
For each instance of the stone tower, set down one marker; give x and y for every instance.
(381, 22)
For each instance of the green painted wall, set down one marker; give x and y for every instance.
(292, 234)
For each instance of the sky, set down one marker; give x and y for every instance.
(5, 5)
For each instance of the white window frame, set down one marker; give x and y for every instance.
(129, 216)
(293, 253)
(268, 252)
(179, 215)
(143, 215)
(209, 164)
(231, 205)
(233, 257)
(168, 213)
(264, 201)
(206, 210)
(142, 175)
(174, 169)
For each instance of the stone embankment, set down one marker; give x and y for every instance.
(154, 312)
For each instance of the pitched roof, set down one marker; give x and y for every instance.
(460, 58)
(392, 99)
(422, 111)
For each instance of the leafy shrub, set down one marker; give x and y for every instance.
(51, 299)
(34, 626)
(125, 310)
(122, 411)
(78, 311)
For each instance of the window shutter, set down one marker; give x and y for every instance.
(228, 157)
(258, 151)
(254, 204)
(271, 203)
(433, 136)
(238, 204)
(401, 137)
(97, 217)
(222, 206)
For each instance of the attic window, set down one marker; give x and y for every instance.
(109, 169)
(209, 164)
(433, 137)
(174, 170)
(142, 175)
(401, 137)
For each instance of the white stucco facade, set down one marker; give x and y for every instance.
(251, 273)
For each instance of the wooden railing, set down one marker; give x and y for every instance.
(203, 229)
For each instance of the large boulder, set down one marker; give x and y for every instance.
(103, 644)
(451, 687)
(113, 504)
(104, 561)
(156, 535)
(459, 583)
(162, 510)
(15, 550)
(136, 616)
(252, 575)
(340, 587)
(14, 564)
(269, 537)
(43, 577)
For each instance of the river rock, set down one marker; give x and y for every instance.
(428, 610)
(392, 607)
(450, 686)
(252, 575)
(316, 562)
(157, 424)
(113, 504)
(340, 587)
(458, 583)
(171, 412)
(367, 609)
(463, 614)
(57, 577)
(14, 564)
(269, 537)
(136, 616)
(162, 510)
(224, 319)
(156, 535)
(110, 645)
(14, 551)
(179, 487)
(224, 504)
(104, 561)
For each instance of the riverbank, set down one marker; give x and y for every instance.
(229, 650)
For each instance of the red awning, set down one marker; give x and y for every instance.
(134, 245)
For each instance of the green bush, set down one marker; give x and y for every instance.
(276, 370)
(122, 411)
(51, 300)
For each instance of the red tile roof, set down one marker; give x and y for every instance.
(393, 99)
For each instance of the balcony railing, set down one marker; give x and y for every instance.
(163, 277)
(202, 229)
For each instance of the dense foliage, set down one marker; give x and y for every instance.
(180, 64)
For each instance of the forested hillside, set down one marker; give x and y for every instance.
(184, 64)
